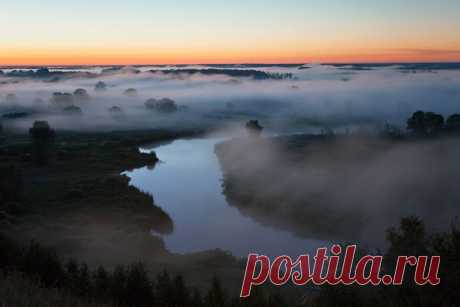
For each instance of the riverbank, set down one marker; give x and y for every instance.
(82, 184)
(81, 205)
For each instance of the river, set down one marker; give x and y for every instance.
(187, 185)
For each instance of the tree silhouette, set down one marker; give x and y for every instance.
(81, 94)
(181, 295)
(453, 123)
(72, 110)
(100, 86)
(44, 265)
(83, 281)
(42, 141)
(425, 123)
(72, 273)
(434, 122)
(62, 100)
(196, 299)
(139, 290)
(253, 128)
(101, 280)
(164, 105)
(216, 295)
(118, 288)
(130, 92)
(164, 290)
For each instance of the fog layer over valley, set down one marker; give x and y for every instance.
(319, 172)
(286, 98)
(344, 188)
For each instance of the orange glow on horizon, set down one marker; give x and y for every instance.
(22, 57)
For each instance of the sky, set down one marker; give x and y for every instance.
(52, 32)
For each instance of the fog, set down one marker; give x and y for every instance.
(318, 96)
(350, 188)
(345, 189)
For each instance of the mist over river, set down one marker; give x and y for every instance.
(187, 185)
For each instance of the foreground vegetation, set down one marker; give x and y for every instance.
(35, 276)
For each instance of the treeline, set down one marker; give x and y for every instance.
(130, 285)
(423, 124)
(411, 238)
(429, 123)
(237, 73)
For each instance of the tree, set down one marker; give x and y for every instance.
(216, 295)
(71, 269)
(83, 284)
(409, 239)
(62, 100)
(196, 300)
(116, 112)
(253, 128)
(100, 86)
(416, 123)
(434, 122)
(72, 110)
(164, 105)
(139, 291)
(101, 280)
(130, 92)
(453, 123)
(43, 264)
(425, 123)
(81, 94)
(164, 290)
(181, 293)
(42, 72)
(42, 141)
(118, 286)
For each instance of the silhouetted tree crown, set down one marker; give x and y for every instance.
(164, 105)
(253, 128)
(81, 94)
(130, 92)
(216, 295)
(100, 86)
(425, 123)
(42, 141)
(453, 123)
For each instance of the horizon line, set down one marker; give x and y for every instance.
(242, 63)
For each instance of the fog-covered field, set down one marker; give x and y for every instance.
(293, 97)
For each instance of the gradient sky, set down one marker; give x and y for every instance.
(52, 32)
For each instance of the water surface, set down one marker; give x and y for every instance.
(187, 185)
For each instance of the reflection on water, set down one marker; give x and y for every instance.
(187, 185)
